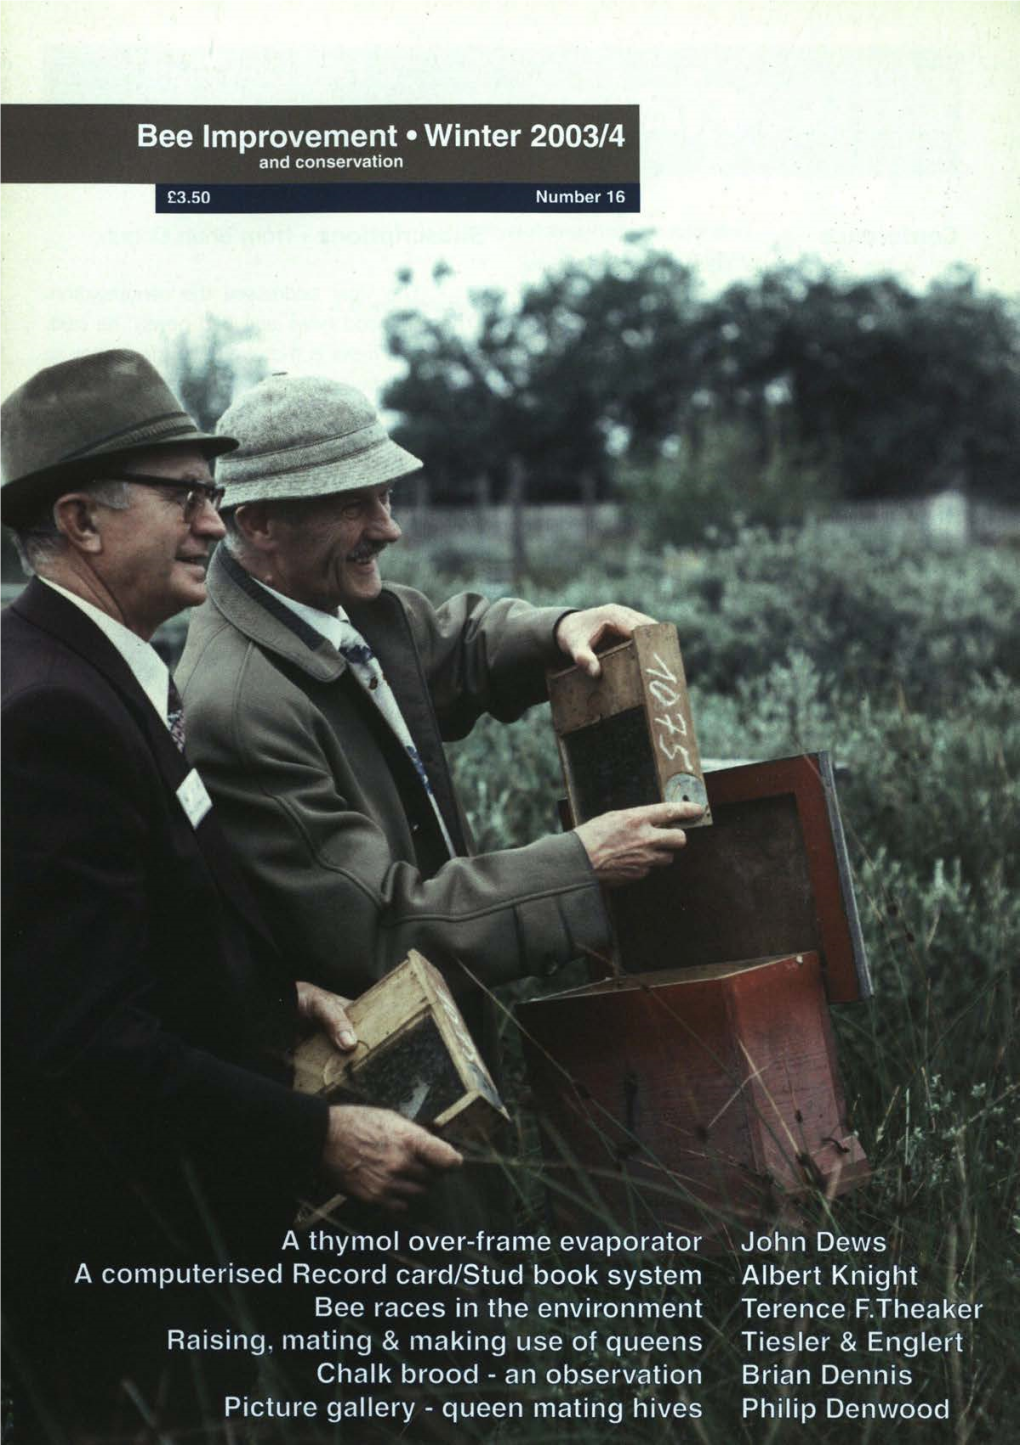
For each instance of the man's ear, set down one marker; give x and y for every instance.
(256, 524)
(74, 515)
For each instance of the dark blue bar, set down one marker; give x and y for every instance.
(496, 196)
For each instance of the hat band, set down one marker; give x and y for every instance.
(170, 423)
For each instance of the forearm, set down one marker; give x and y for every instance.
(349, 910)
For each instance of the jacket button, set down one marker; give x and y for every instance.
(415, 827)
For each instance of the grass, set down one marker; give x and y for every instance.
(903, 662)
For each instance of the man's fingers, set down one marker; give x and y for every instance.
(327, 1011)
(382, 1158)
(661, 815)
(436, 1153)
(416, 1171)
(408, 1188)
(586, 659)
(579, 633)
(334, 1019)
(343, 1030)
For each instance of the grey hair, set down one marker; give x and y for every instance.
(40, 540)
(234, 538)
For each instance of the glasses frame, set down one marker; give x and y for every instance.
(196, 492)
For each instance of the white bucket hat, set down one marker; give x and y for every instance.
(306, 436)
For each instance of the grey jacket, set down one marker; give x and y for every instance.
(326, 810)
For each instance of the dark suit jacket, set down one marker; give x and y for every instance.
(149, 1118)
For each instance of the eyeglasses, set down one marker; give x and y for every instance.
(196, 493)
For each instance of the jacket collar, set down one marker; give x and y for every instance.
(383, 623)
(51, 612)
(257, 614)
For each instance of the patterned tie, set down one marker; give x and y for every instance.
(175, 714)
(367, 669)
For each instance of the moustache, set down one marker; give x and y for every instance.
(366, 551)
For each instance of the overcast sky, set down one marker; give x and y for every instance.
(873, 136)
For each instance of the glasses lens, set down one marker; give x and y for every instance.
(196, 498)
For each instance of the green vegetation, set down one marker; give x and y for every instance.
(903, 663)
(880, 390)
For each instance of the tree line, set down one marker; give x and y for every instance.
(615, 373)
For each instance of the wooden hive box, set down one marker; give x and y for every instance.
(627, 737)
(770, 877)
(414, 1055)
(699, 1078)
(691, 1094)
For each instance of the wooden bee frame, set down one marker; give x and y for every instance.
(414, 1055)
(627, 737)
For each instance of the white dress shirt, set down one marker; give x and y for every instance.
(148, 668)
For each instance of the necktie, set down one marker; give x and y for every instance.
(175, 715)
(366, 668)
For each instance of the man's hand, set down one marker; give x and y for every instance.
(626, 845)
(327, 1011)
(578, 632)
(381, 1158)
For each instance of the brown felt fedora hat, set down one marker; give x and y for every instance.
(65, 419)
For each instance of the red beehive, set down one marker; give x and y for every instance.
(700, 1078)
(689, 1091)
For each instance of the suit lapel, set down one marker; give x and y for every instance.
(383, 623)
(48, 610)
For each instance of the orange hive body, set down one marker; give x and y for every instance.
(698, 1081)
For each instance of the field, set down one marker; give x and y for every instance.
(903, 663)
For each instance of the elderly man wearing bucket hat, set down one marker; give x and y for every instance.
(320, 699)
(150, 1122)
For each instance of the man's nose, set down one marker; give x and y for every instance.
(207, 522)
(382, 526)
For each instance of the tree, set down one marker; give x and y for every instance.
(883, 391)
(903, 393)
(594, 359)
(205, 370)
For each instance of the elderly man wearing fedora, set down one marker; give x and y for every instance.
(319, 700)
(150, 1122)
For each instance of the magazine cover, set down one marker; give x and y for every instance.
(510, 721)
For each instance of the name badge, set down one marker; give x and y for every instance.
(193, 798)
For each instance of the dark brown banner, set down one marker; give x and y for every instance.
(146, 144)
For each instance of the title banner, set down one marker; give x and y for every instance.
(197, 145)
